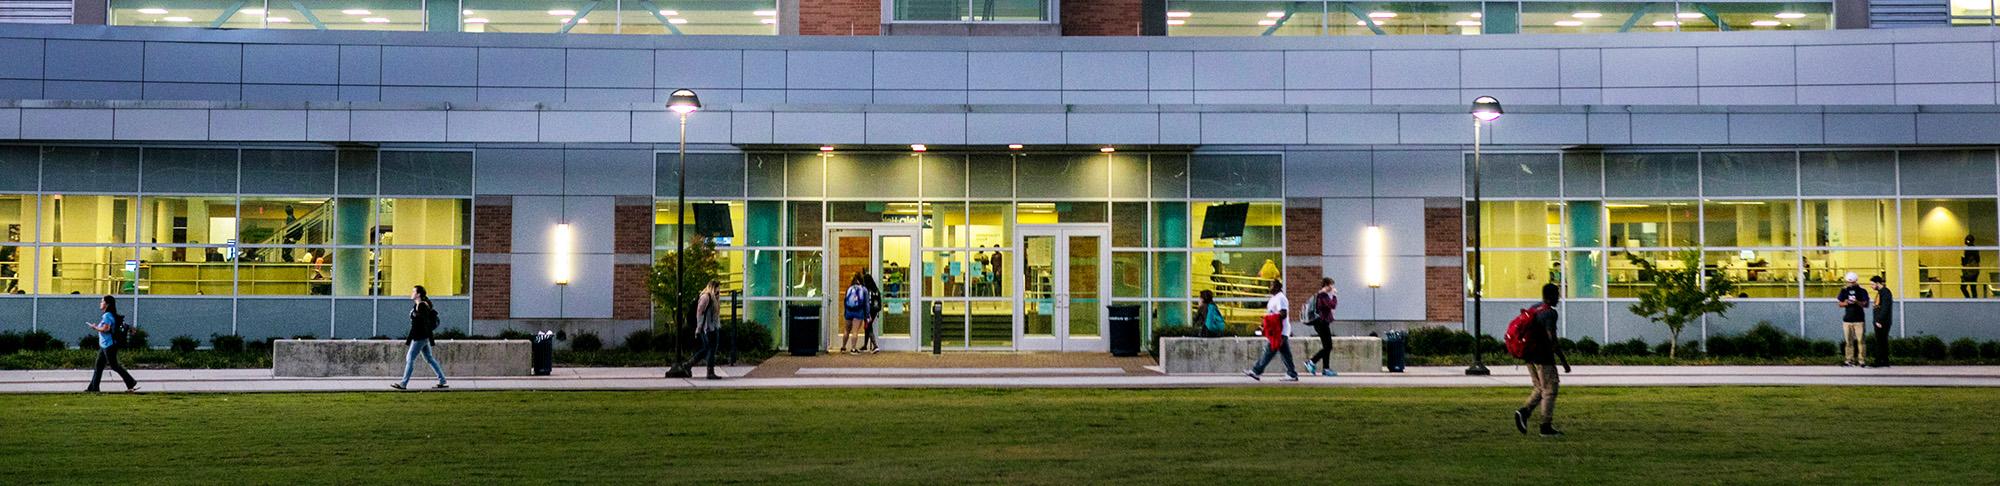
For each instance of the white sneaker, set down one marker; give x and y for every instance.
(1289, 378)
(1252, 375)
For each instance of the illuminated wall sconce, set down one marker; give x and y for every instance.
(1374, 264)
(562, 246)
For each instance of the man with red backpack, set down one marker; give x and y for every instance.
(1532, 337)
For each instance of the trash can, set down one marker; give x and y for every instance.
(544, 353)
(1398, 342)
(802, 329)
(1122, 328)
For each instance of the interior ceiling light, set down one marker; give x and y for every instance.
(563, 13)
(1475, 15)
(765, 13)
(1666, 23)
(278, 20)
(1766, 23)
(1790, 15)
(153, 11)
(1381, 15)
(467, 12)
(1275, 15)
(259, 11)
(1176, 22)
(356, 11)
(768, 21)
(1587, 15)
(677, 21)
(375, 20)
(476, 20)
(670, 13)
(1179, 15)
(177, 19)
(1569, 23)
(1267, 22)
(1689, 15)
(1467, 23)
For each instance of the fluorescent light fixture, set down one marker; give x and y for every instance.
(562, 244)
(1790, 15)
(670, 13)
(1467, 23)
(259, 11)
(1013, 146)
(1569, 23)
(278, 20)
(177, 19)
(1107, 150)
(1689, 15)
(1275, 15)
(1176, 22)
(466, 12)
(1374, 262)
(356, 11)
(768, 21)
(677, 21)
(1475, 15)
(1766, 23)
(565, 20)
(375, 20)
(918, 147)
(1267, 22)
(1179, 15)
(563, 13)
(1381, 15)
(476, 20)
(153, 11)
(1587, 15)
(1666, 23)
(765, 13)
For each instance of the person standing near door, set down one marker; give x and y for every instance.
(874, 314)
(1277, 333)
(1319, 315)
(854, 307)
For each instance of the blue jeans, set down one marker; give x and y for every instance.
(705, 352)
(410, 361)
(1284, 348)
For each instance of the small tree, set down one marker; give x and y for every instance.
(702, 267)
(1679, 296)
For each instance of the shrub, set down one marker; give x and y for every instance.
(40, 341)
(1632, 347)
(87, 342)
(1903, 347)
(1798, 346)
(640, 340)
(747, 336)
(1720, 345)
(1766, 341)
(1491, 346)
(183, 344)
(1931, 348)
(1439, 341)
(226, 343)
(1964, 349)
(1565, 344)
(1588, 346)
(586, 342)
(1989, 350)
(448, 334)
(135, 340)
(10, 342)
(1663, 348)
(513, 334)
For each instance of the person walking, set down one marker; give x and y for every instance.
(874, 314)
(1885, 318)
(1853, 302)
(1542, 351)
(854, 307)
(1277, 332)
(707, 327)
(110, 328)
(1208, 317)
(1319, 315)
(423, 323)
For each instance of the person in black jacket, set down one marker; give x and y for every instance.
(1885, 319)
(1542, 354)
(423, 321)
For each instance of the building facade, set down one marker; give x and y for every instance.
(1003, 183)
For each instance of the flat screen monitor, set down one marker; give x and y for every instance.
(712, 220)
(1224, 221)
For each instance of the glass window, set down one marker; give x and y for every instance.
(441, 272)
(871, 175)
(1583, 174)
(346, 15)
(944, 176)
(1235, 176)
(699, 17)
(1128, 274)
(664, 219)
(761, 277)
(1585, 273)
(18, 214)
(1170, 225)
(805, 175)
(1060, 212)
(1169, 176)
(87, 270)
(802, 273)
(803, 219)
(993, 174)
(944, 273)
(188, 13)
(1501, 18)
(1236, 274)
(436, 222)
(1749, 174)
(1946, 172)
(188, 220)
(358, 171)
(872, 212)
(1129, 177)
(1748, 223)
(1521, 224)
(971, 11)
(1063, 176)
(1758, 274)
(426, 173)
(1519, 274)
(709, 175)
(1170, 275)
(991, 225)
(1741, 16)
(1623, 277)
(988, 273)
(762, 223)
(1128, 224)
(90, 169)
(931, 10)
(1404, 18)
(1850, 222)
(1971, 12)
(88, 219)
(1948, 222)
(1263, 226)
(944, 225)
(538, 16)
(1825, 269)
(20, 168)
(1515, 175)
(1847, 173)
(1649, 175)
(189, 170)
(1594, 18)
(767, 175)
(1586, 223)
(1651, 224)
(1233, 18)
(1952, 274)
(288, 171)
(15, 264)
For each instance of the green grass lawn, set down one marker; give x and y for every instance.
(1260, 435)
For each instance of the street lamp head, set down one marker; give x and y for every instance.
(1486, 108)
(683, 101)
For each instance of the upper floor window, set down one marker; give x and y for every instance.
(1309, 18)
(658, 17)
(969, 10)
(1972, 12)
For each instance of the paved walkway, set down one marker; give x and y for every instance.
(207, 381)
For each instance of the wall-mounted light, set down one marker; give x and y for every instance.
(562, 246)
(1374, 264)
(826, 148)
(1108, 149)
(1014, 146)
(918, 147)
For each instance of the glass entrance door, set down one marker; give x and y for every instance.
(1062, 288)
(885, 255)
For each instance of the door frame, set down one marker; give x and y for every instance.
(835, 285)
(1060, 340)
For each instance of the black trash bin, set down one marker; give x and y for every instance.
(802, 329)
(544, 353)
(1123, 329)
(1398, 344)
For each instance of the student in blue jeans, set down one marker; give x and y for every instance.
(423, 321)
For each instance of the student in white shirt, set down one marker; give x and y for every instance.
(1277, 333)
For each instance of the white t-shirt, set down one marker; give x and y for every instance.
(1280, 303)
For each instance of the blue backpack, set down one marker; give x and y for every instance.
(857, 297)
(1212, 319)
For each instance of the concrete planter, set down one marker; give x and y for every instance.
(328, 357)
(1233, 354)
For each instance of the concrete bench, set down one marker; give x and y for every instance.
(1234, 354)
(331, 357)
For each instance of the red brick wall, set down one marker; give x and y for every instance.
(493, 229)
(840, 17)
(492, 291)
(632, 229)
(1442, 232)
(629, 296)
(1444, 294)
(1100, 17)
(1300, 285)
(1302, 230)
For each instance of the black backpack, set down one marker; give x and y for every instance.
(120, 333)
(428, 316)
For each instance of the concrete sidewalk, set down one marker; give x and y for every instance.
(260, 380)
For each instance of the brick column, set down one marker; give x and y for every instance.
(1444, 267)
(1303, 263)
(632, 241)
(840, 17)
(492, 241)
(1101, 17)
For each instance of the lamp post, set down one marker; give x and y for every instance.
(1485, 109)
(682, 102)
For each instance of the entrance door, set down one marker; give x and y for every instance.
(1062, 287)
(885, 254)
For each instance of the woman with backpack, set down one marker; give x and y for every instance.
(874, 314)
(854, 307)
(109, 329)
(1319, 315)
(1207, 316)
(423, 322)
